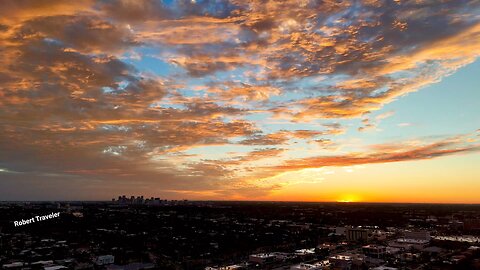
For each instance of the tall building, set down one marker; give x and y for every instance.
(357, 234)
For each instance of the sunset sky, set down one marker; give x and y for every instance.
(371, 101)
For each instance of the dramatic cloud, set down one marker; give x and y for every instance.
(384, 154)
(160, 92)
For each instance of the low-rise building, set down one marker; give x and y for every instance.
(374, 251)
(407, 244)
(55, 267)
(104, 260)
(343, 262)
(384, 268)
(262, 258)
(417, 235)
(310, 266)
(14, 265)
(228, 267)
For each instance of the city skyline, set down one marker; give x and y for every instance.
(342, 101)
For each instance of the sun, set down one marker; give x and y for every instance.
(348, 198)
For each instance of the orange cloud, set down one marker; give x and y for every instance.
(385, 154)
(72, 103)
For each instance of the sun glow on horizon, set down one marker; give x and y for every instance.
(349, 198)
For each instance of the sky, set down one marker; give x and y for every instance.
(344, 101)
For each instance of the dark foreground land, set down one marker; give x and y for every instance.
(239, 235)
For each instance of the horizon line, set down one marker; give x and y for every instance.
(251, 201)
